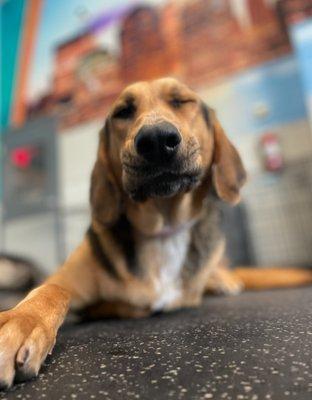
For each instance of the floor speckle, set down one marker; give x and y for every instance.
(251, 347)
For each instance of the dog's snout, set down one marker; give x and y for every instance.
(159, 142)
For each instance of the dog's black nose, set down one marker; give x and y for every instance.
(159, 142)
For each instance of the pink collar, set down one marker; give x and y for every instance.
(168, 231)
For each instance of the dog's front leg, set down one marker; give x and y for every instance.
(28, 331)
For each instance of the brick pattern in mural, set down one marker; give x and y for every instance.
(199, 41)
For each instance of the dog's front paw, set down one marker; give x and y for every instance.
(230, 286)
(223, 281)
(24, 344)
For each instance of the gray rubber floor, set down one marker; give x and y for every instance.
(254, 346)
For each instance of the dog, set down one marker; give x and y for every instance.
(163, 164)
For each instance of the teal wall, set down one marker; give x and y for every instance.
(11, 25)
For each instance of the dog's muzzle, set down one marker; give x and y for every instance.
(162, 165)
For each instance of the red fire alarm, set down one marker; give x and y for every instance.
(272, 152)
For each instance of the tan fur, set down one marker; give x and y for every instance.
(270, 277)
(27, 332)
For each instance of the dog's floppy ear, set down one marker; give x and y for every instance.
(105, 197)
(228, 172)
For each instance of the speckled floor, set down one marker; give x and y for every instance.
(254, 346)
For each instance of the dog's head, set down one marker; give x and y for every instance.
(160, 140)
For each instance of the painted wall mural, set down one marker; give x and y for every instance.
(85, 52)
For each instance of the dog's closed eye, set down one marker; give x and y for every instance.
(177, 102)
(126, 111)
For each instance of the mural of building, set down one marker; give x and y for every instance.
(86, 79)
(196, 40)
(292, 11)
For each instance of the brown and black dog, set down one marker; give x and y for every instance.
(154, 243)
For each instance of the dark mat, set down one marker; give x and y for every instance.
(255, 346)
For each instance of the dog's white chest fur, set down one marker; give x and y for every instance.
(168, 254)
